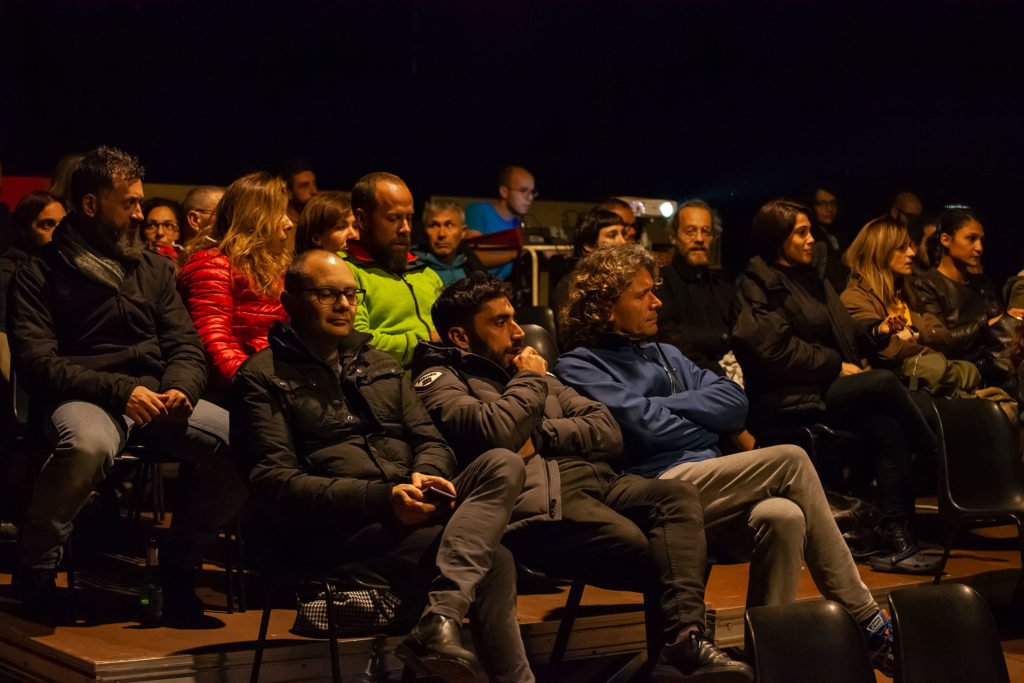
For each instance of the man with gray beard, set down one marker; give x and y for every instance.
(110, 355)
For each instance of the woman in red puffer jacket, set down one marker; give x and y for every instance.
(232, 289)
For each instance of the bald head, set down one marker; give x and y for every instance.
(517, 189)
(321, 298)
(906, 207)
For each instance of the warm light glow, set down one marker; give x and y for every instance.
(666, 209)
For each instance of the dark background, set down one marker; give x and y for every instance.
(737, 103)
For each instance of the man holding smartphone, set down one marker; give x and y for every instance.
(352, 473)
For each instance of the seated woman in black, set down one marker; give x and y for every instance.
(796, 344)
(964, 299)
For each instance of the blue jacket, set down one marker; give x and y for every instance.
(668, 415)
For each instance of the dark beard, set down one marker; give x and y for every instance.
(128, 246)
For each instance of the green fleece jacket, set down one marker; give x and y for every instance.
(396, 307)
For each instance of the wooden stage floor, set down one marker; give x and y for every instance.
(109, 646)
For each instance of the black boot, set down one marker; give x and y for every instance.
(695, 658)
(434, 648)
(39, 595)
(904, 555)
(182, 607)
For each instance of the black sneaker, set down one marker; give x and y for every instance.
(695, 658)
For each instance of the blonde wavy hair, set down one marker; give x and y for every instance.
(869, 255)
(598, 281)
(248, 218)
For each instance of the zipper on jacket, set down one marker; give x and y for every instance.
(551, 501)
(416, 304)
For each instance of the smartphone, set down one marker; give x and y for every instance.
(437, 497)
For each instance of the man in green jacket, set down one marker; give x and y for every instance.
(399, 288)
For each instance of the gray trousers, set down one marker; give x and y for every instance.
(461, 563)
(86, 439)
(768, 505)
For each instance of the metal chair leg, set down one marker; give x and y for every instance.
(240, 565)
(572, 606)
(257, 656)
(950, 537)
(332, 633)
(1018, 592)
(229, 571)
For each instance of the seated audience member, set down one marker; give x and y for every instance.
(445, 253)
(966, 303)
(921, 230)
(766, 504)
(625, 211)
(881, 260)
(400, 289)
(698, 302)
(801, 362)
(830, 240)
(516, 192)
(596, 228)
(300, 180)
(484, 389)
(905, 208)
(161, 226)
(199, 208)
(342, 458)
(60, 182)
(109, 353)
(232, 290)
(326, 223)
(32, 222)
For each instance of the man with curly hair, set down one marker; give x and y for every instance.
(767, 504)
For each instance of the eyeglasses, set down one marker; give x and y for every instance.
(524, 191)
(329, 296)
(163, 225)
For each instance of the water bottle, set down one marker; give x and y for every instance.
(151, 594)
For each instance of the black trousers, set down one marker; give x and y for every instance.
(625, 532)
(460, 563)
(875, 404)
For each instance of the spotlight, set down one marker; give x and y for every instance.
(666, 209)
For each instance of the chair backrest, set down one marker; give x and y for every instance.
(537, 315)
(539, 339)
(806, 642)
(945, 634)
(979, 465)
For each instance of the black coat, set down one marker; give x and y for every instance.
(697, 312)
(323, 451)
(964, 310)
(787, 361)
(75, 337)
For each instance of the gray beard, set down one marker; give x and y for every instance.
(127, 246)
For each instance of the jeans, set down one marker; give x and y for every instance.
(86, 439)
(768, 505)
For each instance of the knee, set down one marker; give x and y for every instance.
(782, 518)
(89, 448)
(505, 465)
(794, 459)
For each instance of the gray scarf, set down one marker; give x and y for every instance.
(86, 259)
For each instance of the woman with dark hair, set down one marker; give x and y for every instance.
(162, 226)
(326, 223)
(233, 290)
(965, 301)
(830, 239)
(596, 228)
(798, 349)
(33, 221)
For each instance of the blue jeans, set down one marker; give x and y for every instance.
(86, 439)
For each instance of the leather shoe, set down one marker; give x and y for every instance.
(434, 648)
(698, 659)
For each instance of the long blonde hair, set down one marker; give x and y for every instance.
(869, 255)
(249, 216)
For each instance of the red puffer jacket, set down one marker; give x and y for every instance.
(231, 318)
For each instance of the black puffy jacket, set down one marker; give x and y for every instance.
(323, 451)
(964, 310)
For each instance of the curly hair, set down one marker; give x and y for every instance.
(595, 285)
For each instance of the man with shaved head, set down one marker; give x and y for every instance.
(352, 474)
(199, 207)
(905, 208)
(516, 192)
